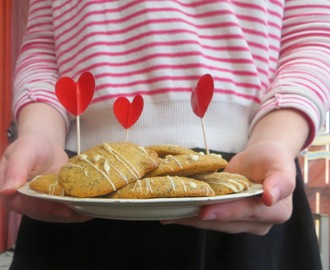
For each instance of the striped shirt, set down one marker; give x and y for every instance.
(262, 55)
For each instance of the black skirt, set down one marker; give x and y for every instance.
(116, 244)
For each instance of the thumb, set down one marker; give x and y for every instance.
(16, 168)
(277, 186)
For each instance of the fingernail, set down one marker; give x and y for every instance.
(211, 216)
(275, 192)
(8, 184)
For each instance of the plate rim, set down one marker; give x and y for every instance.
(126, 209)
(255, 189)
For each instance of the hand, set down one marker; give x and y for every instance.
(37, 150)
(269, 159)
(270, 163)
(25, 158)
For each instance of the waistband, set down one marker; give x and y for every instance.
(226, 127)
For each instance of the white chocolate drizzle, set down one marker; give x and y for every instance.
(77, 166)
(193, 157)
(84, 158)
(153, 160)
(236, 185)
(192, 185)
(107, 167)
(143, 149)
(175, 159)
(144, 186)
(52, 188)
(163, 167)
(216, 155)
(123, 160)
(171, 181)
(184, 186)
(138, 186)
(149, 186)
(97, 158)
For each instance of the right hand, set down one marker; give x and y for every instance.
(25, 158)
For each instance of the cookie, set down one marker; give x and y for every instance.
(164, 187)
(106, 168)
(47, 184)
(169, 149)
(187, 165)
(225, 183)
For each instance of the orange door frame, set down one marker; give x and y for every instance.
(5, 99)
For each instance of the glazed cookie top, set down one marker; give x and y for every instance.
(106, 168)
(126, 170)
(164, 187)
(188, 164)
(47, 184)
(225, 183)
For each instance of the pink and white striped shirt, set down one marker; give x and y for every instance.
(263, 55)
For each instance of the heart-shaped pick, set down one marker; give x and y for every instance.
(202, 94)
(126, 112)
(76, 96)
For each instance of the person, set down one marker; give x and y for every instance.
(270, 65)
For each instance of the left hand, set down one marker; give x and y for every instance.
(267, 162)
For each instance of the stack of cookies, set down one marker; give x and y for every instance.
(126, 170)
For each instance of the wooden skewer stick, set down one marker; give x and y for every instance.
(126, 139)
(78, 135)
(204, 134)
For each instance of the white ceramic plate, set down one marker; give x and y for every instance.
(141, 209)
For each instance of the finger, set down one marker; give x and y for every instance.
(277, 187)
(16, 171)
(43, 210)
(256, 228)
(248, 210)
(249, 215)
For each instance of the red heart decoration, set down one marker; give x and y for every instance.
(128, 113)
(202, 94)
(76, 96)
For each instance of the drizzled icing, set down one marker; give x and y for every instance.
(143, 149)
(190, 157)
(193, 157)
(113, 164)
(216, 155)
(129, 166)
(169, 157)
(84, 158)
(153, 160)
(171, 181)
(184, 186)
(175, 182)
(107, 167)
(97, 158)
(52, 188)
(236, 185)
(105, 170)
(192, 185)
(148, 185)
(69, 165)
